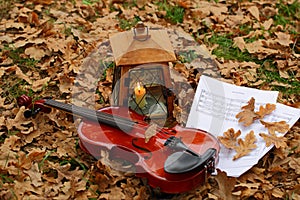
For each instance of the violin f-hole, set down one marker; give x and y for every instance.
(119, 152)
(133, 142)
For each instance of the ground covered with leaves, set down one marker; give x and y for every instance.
(44, 44)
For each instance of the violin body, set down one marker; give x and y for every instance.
(175, 159)
(149, 157)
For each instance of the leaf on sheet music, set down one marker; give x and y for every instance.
(273, 139)
(281, 127)
(229, 140)
(245, 146)
(263, 111)
(247, 115)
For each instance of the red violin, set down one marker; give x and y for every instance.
(173, 159)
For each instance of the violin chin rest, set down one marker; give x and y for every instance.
(182, 161)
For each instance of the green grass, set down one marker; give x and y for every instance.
(226, 50)
(271, 74)
(13, 91)
(5, 7)
(128, 24)
(287, 13)
(268, 70)
(89, 2)
(17, 55)
(174, 13)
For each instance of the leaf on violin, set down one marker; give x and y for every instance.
(245, 146)
(229, 139)
(247, 115)
(280, 127)
(263, 111)
(278, 141)
(150, 132)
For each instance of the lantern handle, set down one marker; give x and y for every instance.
(138, 31)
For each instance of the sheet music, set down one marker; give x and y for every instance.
(214, 109)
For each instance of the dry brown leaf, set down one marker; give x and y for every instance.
(229, 139)
(280, 127)
(150, 132)
(265, 110)
(35, 52)
(239, 42)
(284, 39)
(254, 12)
(245, 146)
(35, 175)
(39, 84)
(247, 115)
(267, 24)
(273, 139)
(295, 164)
(278, 193)
(226, 185)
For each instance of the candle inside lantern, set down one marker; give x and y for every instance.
(140, 97)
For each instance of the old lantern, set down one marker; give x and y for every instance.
(142, 79)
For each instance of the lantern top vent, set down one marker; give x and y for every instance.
(141, 46)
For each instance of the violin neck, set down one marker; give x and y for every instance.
(93, 115)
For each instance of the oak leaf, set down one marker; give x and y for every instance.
(254, 12)
(273, 139)
(280, 127)
(247, 115)
(295, 164)
(229, 139)
(226, 185)
(245, 146)
(265, 110)
(150, 132)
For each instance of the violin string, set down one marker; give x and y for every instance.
(102, 116)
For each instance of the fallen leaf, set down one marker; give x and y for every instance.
(226, 185)
(245, 146)
(39, 84)
(277, 193)
(35, 175)
(265, 110)
(247, 115)
(150, 132)
(254, 12)
(280, 127)
(35, 52)
(284, 38)
(239, 42)
(273, 139)
(267, 24)
(229, 139)
(295, 164)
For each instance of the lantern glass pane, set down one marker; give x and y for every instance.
(146, 76)
(153, 102)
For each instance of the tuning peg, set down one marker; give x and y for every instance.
(24, 100)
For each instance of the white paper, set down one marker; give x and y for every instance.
(214, 109)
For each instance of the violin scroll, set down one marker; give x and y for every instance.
(33, 108)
